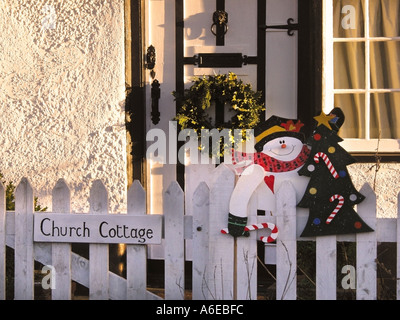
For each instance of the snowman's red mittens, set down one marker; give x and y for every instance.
(237, 225)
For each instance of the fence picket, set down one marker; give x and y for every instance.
(61, 252)
(246, 253)
(286, 258)
(2, 242)
(201, 212)
(98, 253)
(219, 277)
(367, 248)
(24, 253)
(326, 268)
(174, 242)
(136, 255)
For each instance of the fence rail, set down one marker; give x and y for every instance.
(222, 267)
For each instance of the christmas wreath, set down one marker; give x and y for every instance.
(244, 105)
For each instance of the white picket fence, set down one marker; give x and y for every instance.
(223, 268)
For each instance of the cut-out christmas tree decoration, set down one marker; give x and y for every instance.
(330, 194)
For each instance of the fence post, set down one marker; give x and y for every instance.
(286, 259)
(61, 252)
(201, 213)
(2, 242)
(24, 253)
(98, 253)
(136, 257)
(219, 278)
(174, 242)
(367, 248)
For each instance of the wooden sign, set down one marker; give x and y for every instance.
(94, 228)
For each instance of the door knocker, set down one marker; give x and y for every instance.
(220, 19)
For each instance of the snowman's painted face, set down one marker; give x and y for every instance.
(283, 148)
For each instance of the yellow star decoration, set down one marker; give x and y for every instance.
(324, 119)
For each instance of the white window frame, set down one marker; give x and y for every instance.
(366, 145)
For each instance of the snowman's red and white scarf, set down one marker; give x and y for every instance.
(269, 164)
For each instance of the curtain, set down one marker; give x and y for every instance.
(384, 58)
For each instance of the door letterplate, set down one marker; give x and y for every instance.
(220, 60)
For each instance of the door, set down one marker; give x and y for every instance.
(181, 31)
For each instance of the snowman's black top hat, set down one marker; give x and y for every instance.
(275, 127)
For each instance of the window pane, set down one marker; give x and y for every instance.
(385, 115)
(353, 106)
(384, 18)
(349, 65)
(385, 65)
(348, 19)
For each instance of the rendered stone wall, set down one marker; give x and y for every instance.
(385, 182)
(62, 96)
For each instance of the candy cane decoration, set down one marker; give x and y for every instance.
(339, 205)
(266, 225)
(327, 162)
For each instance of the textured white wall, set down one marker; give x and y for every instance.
(62, 96)
(386, 184)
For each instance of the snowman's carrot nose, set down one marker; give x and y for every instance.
(283, 146)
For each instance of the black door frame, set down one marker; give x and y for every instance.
(309, 79)
(135, 104)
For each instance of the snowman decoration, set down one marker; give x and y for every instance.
(281, 153)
